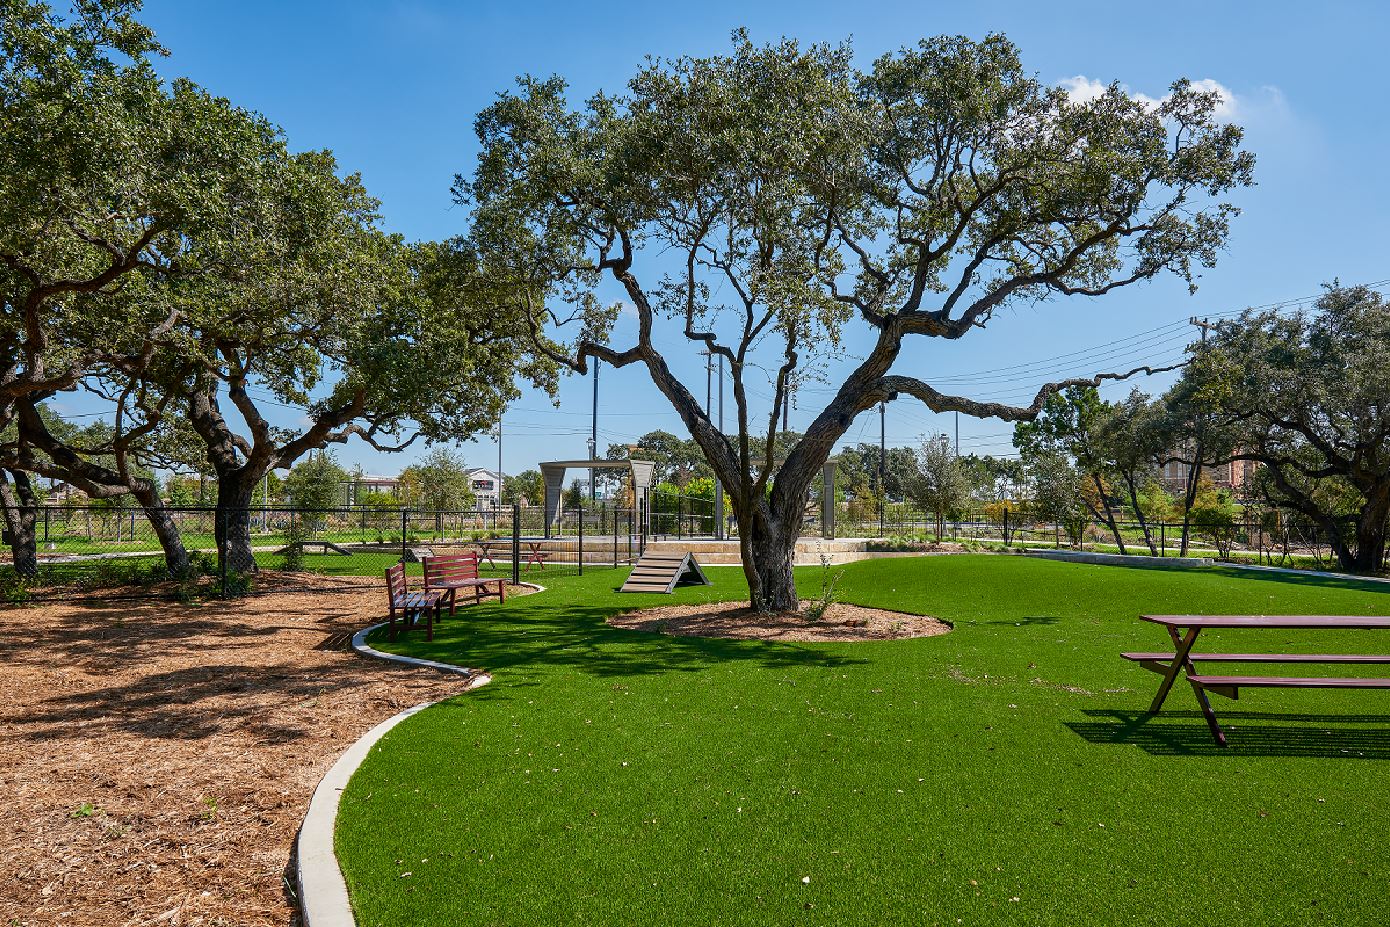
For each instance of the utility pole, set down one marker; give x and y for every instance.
(957, 433)
(786, 405)
(1194, 472)
(709, 374)
(882, 464)
(719, 486)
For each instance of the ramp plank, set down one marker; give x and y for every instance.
(661, 573)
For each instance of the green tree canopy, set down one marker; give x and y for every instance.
(439, 482)
(528, 485)
(678, 460)
(759, 202)
(317, 482)
(858, 467)
(940, 482)
(1307, 396)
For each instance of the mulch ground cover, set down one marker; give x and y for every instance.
(841, 621)
(157, 758)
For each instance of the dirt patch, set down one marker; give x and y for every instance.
(157, 758)
(841, 622)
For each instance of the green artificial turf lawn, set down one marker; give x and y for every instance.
(1000, 774)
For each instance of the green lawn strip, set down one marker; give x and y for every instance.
(913, 782)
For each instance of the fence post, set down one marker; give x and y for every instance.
(1006, 527)
(516, 543)
(581, 536)
(404, 517)
(1163, 539)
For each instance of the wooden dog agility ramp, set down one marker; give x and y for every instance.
(664, 572)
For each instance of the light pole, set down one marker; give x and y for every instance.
(497, 503)
(593, 436)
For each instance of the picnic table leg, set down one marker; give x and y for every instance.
(1182, 647)
(487, 553)
(1210, 715)
(1203, 702)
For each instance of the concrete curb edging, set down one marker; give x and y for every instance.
(359, 643)
(1130, 560)
(323, 896)
(1175, 563)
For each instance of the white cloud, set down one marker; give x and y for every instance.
(1082, 88)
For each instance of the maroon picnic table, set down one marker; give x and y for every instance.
(1184, 630)
(536, 554)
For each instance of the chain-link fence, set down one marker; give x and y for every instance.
(97, 551)
(1272, 538)
(105, 551)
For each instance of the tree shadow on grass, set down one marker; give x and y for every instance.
(578, 637)
(1248, 733)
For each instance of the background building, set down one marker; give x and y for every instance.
(486, 485)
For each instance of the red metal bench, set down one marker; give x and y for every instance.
(411, 605)
(451, 572)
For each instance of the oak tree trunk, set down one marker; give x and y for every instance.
(234, 494)
(166, 530)
(1369, 533)
(768, 547)
(21, 507)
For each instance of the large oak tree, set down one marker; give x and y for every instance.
(1306, 395)
(765, 200)
(111, 184)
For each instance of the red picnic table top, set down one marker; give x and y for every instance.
(1349, 622)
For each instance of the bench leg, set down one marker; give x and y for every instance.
(392, 629)
(1181, 647)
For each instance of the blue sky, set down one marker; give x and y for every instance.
(392, 88)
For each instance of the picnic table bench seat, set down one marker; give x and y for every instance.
(1369, 658)
(1217, 683)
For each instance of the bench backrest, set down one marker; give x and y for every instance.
(450, 567)
(395, 581)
